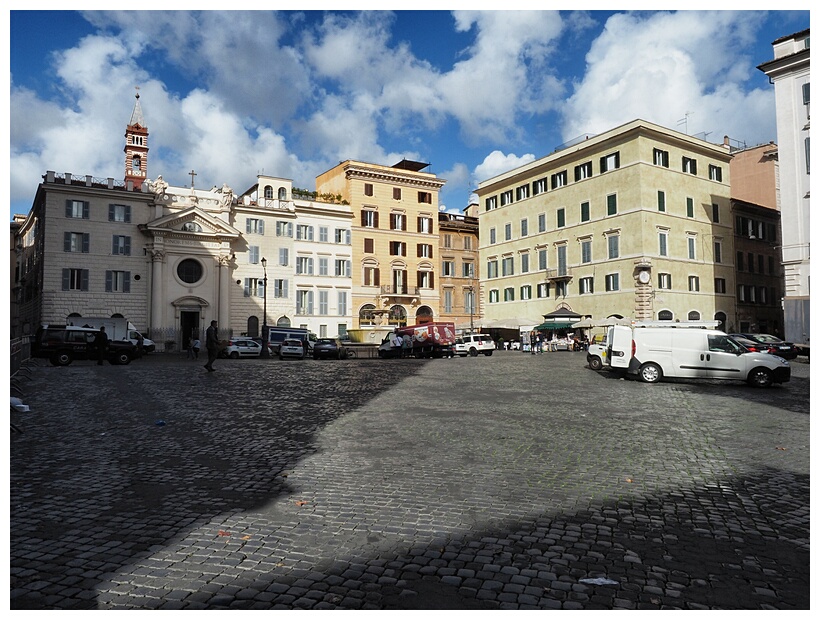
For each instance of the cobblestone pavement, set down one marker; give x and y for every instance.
(504, 482)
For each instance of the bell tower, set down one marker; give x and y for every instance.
(136, 147)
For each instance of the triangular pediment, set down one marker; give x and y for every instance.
(192, 221)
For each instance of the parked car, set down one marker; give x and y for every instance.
(242, 347)
(749, 345)
(270, 346)
(62, 344)
(786, 350)
(329, 348)
(291, 347)
(473, 344)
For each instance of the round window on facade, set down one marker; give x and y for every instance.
(189, 271)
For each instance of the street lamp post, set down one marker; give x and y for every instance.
(472, 305)
(265, 350)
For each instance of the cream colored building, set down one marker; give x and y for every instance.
(394, 239)
(634, 222)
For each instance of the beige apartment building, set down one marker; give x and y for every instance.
(394, 239)
(458, 276)
(634, 222)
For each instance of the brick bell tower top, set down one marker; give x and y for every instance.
(136, 147)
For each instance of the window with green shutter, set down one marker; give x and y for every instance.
(661, 200)
(611, 204)
(584, 211)
(690, 207)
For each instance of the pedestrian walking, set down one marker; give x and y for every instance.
(101, 344)
(533, 342)
(212, 344)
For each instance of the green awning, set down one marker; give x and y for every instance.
(554, 325)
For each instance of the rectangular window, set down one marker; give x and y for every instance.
(751, 263)
(371, 276)
(492, 237)
(509, 294)
(507, 266)
(284, 229)
(368, 189)
(526, 292)
(425, 198)
(397, 221)
(341, 305)
(304, 265)
(76, 242)
(525, 263)
(323, 234)
(304, 302)
(507, 231)
(562, 260)
(120, 245)
(543, 290)
(561, 289)
(468, 243)
(254, 287)
(368, 246)
(739, 261)
(467, 270)
(280, 288)
(117, 281)
(662, 239)
(584, 211)
(583, 171)
(660, 158)
(342, 267)
(75, 279)
(760, 263)
(323, 266)
(396, 193)
(715, 213)
(542, 259)
(611, 204)
(694, 284)
(665, 280)
(539, 186)
(689, 165)
(771, 266)
(491, 203)
(424, 224)
(586, 251)
(612, 244)
(611, 282)
(448, 239)
(690, 207)
(398, 248)
(323, 298)
(77, 209)
(560, 218)
(492, 269)
(715, 173)
(720, 285)
(718, 252)
(283, 257)
(494, 296)
(524, 224)
(254, 226)
(424, 250)
(522, 192)
(253, 254)
(506, 197)
(542, 222)
(690, 242)
(370, 219)
(559, 179)
(610, 162)
(469, 301)
(661, 200)
(119, 213)
(448, 268)
(585, 286)
(341, 236)
(448, 301)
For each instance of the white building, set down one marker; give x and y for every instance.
(789, 72)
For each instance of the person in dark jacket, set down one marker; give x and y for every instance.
(101, 345)
(212, 345)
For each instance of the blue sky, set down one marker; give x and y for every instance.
(292, 93)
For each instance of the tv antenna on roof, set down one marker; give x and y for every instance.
(685, 122)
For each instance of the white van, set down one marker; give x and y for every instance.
(689, 350)
(473, 344)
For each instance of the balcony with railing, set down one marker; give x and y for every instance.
(559, 274)
(399, 290)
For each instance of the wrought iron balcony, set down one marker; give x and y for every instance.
(559, 274)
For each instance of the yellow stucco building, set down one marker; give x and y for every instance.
(394, 239)
(634, 222)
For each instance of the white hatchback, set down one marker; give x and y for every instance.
(291, 348)
(242, 347)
